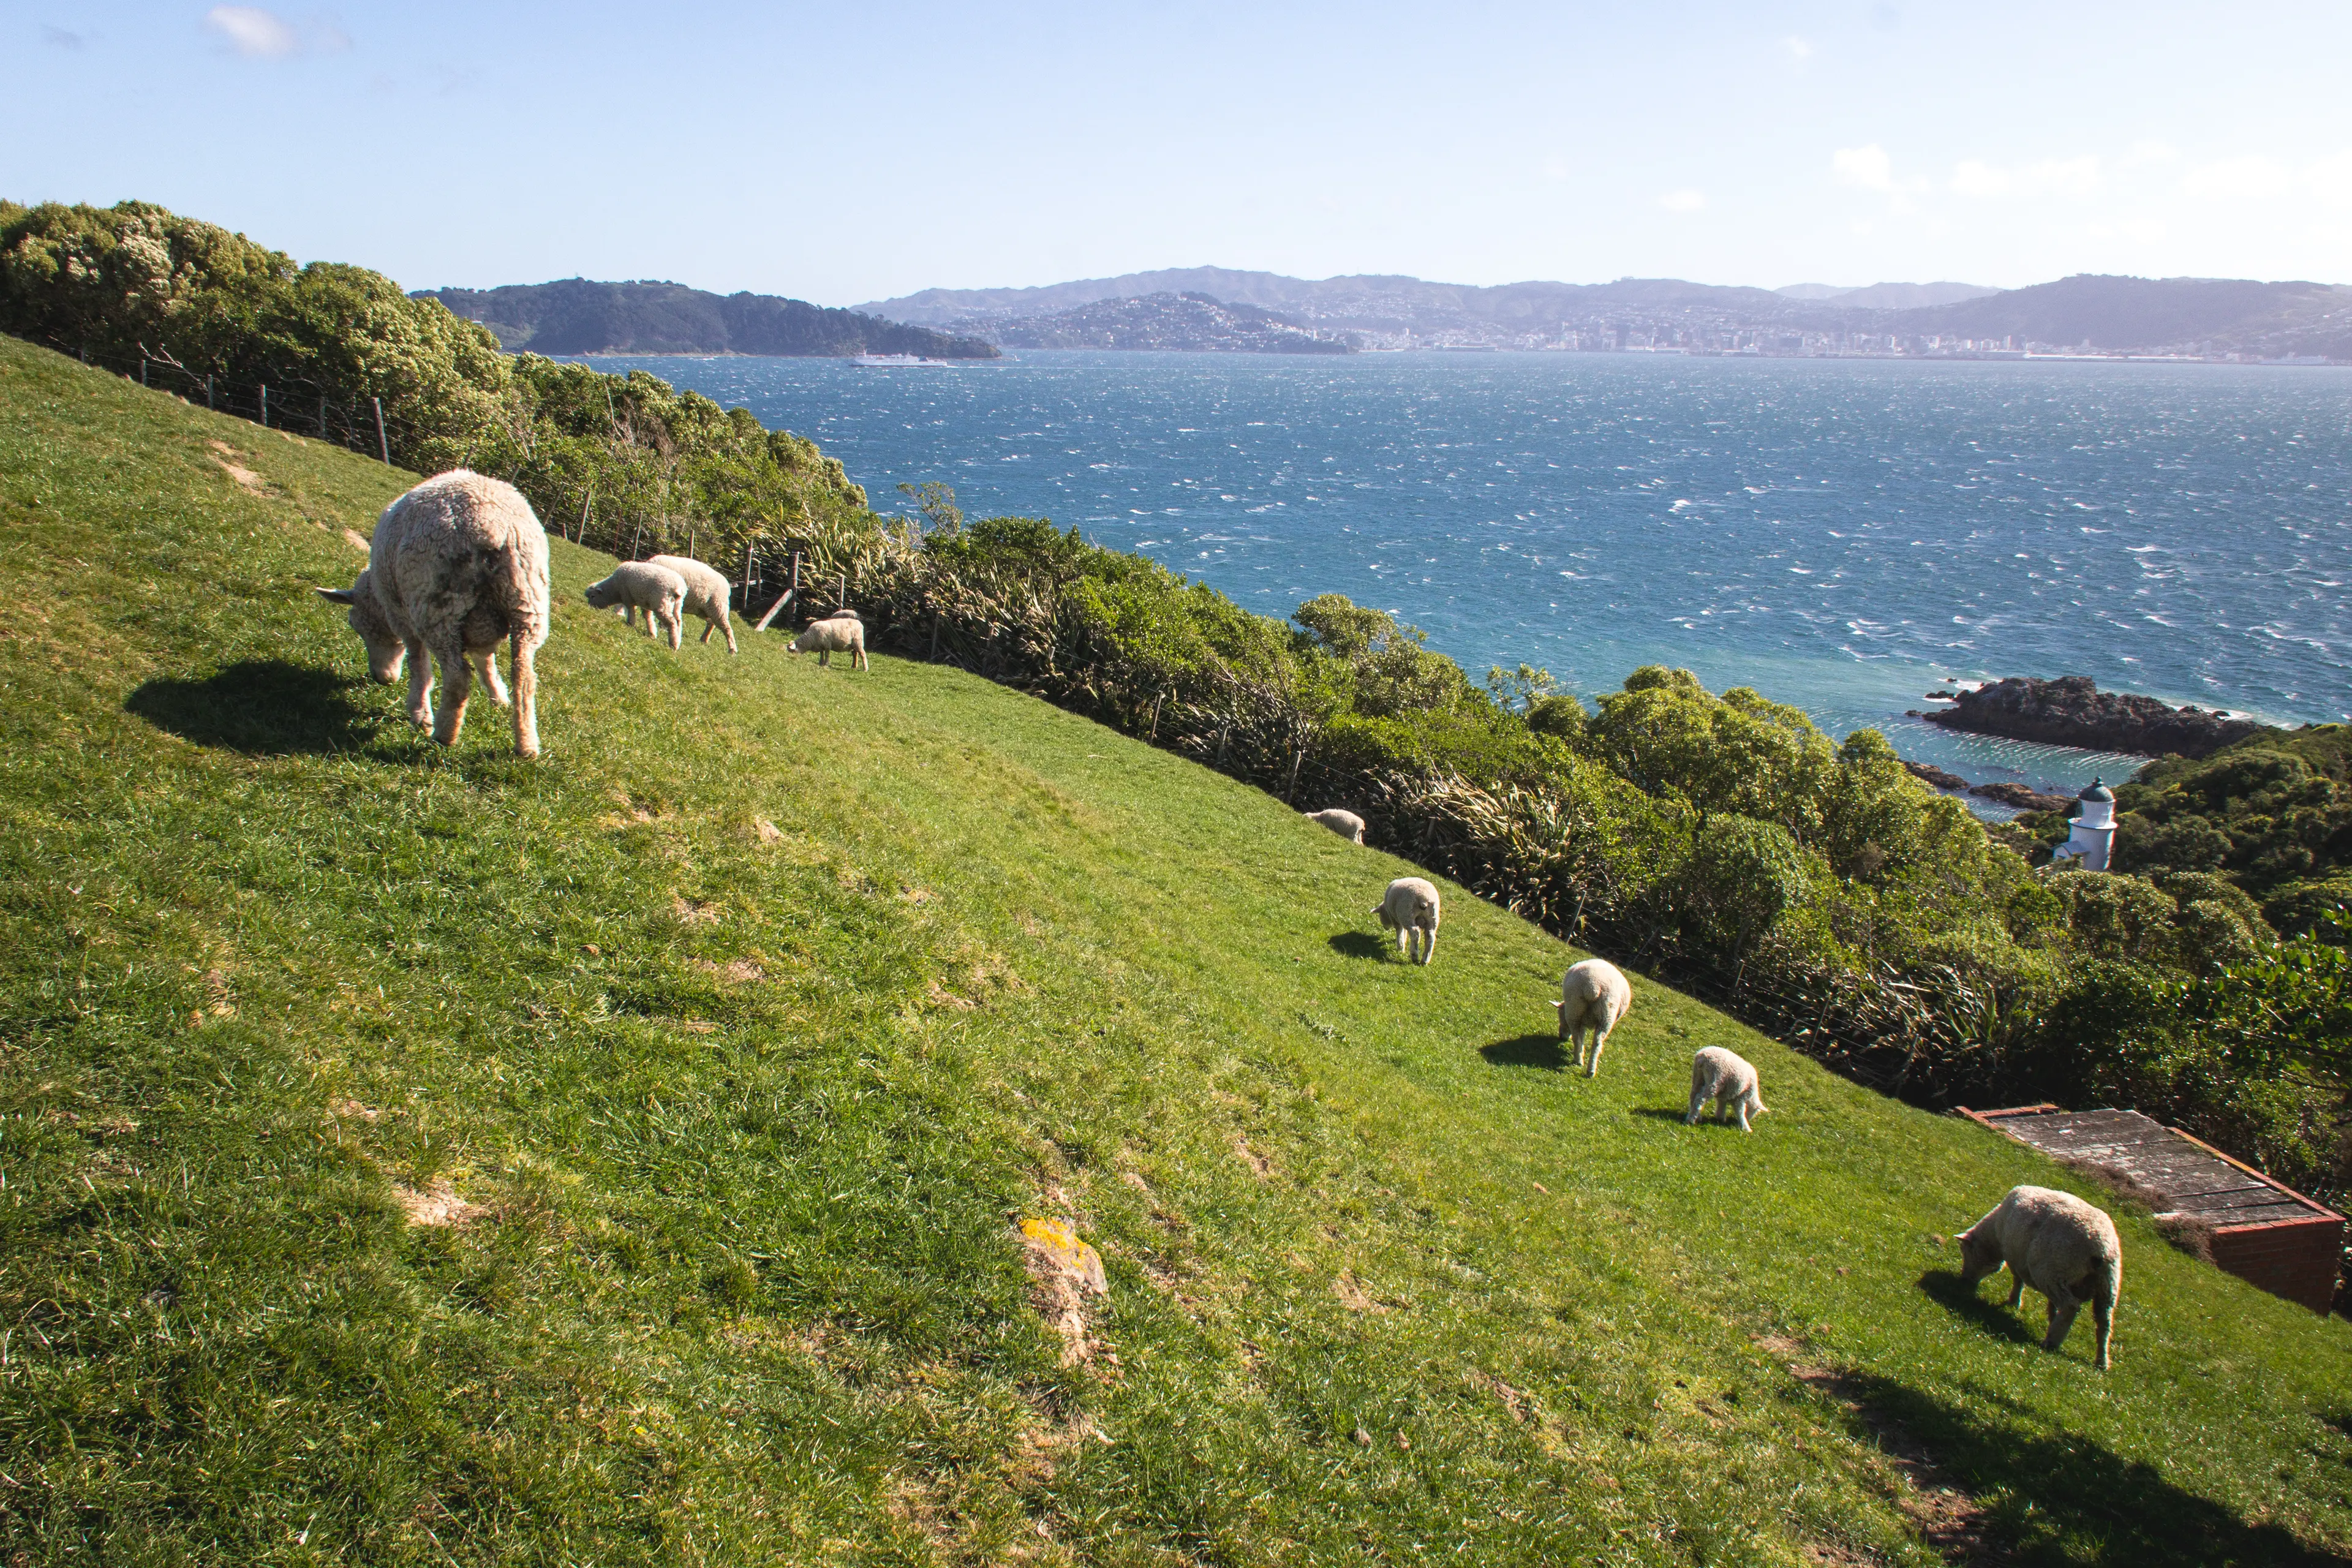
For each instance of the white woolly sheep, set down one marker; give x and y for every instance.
(457, 565)
(1728, 1078)
(1594, 996)
(1346, 824)
(707, 595)
(2059, 1245)
(637, 586)
(1410, 908)
(832, 636)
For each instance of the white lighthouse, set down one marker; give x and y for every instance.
(2094, 829)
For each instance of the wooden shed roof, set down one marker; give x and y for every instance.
(2191, 1178)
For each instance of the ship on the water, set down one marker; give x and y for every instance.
(901, 361)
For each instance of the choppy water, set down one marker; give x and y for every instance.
(1842, 535)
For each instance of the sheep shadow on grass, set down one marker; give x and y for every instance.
(1994, 1315)
(2053, 1495)
(261, 707)
(1543, 1051)
(1360, 944)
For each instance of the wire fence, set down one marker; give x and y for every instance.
(292, 403)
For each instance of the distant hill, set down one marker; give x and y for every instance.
(1186, 321)
(578, 315)
(1886, 296)
(2201, 316)
(2147, 314)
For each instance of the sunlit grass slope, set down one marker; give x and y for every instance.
(750, 1019)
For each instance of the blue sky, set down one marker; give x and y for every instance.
(853, 152)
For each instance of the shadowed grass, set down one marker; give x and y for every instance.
(749, 1018)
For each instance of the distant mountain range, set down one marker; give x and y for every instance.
(1886, 296)
(1266, 312)
(2185, 316)
(580, 317)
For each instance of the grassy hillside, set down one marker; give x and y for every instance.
(747, 1022)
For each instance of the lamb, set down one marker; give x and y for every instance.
(456, 564)
(832, 636)
(637, 586)
(2059, 1245)
(1346, 824)
(1410, 906)
(1594, 997)
(1728, 1078)
(707, 592)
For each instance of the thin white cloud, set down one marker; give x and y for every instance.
(2042, 177)
(2330, 179)
(255, 33)
(2253, 178)
(1685, 200)
(1867, 167)
(259, 35)
(60, 39)
(1976, 178)
(2143, 153)
(1800, 49)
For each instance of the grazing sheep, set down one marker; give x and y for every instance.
(1346, 824)
(637, 586)
(1728, 1078)
(456, 566)
(707, 592)
(1594, 997)
(1410, 906)
(832, 636)
(2059, 1245)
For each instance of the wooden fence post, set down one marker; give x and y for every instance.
(265, 405)
(322, 417)
(143, 370)
(790, 594)
(585, 502)
(208, 391)
(383, 442)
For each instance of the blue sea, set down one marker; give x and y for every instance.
(1843, 535)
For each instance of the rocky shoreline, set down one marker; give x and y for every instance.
(2073, 712)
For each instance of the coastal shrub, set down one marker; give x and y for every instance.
(628, 463)
(1743, 876)
(2298, 908)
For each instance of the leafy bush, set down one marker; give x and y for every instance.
(625, 462)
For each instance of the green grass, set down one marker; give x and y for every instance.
(747, 1112)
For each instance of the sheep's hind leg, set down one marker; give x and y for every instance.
(1428, 944)
(420, 686)
(526, 697)
(1599, 1038)
(1743, 1115)
(2016, 1289)
(1698, 1101)
(456, 685)
(486, 664)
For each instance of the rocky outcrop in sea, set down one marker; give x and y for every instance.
(2073, 712)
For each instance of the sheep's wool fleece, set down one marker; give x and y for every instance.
(460, 562)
